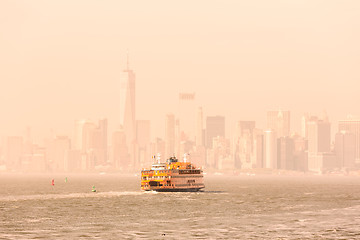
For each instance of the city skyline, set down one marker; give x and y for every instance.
(93, 147)
(66, 68)
(234, 119)
(231, 124)
(190, 131)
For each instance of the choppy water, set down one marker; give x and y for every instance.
(242, 207)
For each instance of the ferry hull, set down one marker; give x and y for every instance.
(176, 190)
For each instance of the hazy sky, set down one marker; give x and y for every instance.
(61, 60)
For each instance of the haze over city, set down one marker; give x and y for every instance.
(206, 119)
(62, 62)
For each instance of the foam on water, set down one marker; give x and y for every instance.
(66, 196)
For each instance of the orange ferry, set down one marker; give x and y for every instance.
(172, 176)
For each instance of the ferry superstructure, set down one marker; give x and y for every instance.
(172, 176)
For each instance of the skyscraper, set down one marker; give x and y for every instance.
(187, 116)
(127, 104)
(244, 143)
(56, 152)
(199, 130)
(285, 152)
(177, 137)
(352, 126)
(319, 138)
(215, 127)
(103, 127)
(91, 140)
(221, 153)
(143, 142)
(279, 121)
(169, 135)
(120, 155)
(345, 149)
(306, 117)
(270, 149)
(258, 148)
(83, 129)
(300, 154)
(304, 120)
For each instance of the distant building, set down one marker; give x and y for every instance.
(158, 149)
(56, 152)
(127, 105)
(215, 127)
(322, 162)
(120, 152)
(177, 137)
(169, 135)
(200, 128)
(187, 116)
(38, 163)
(319, 138)
(279, 121)
(285, 153)
(83, 129)
(103, 129)
(72, 160)
(35, 161)
(300, 154)
(352, 126)
(221, 151)
(258, 149)
(304, 120)
(13, 151)
(91, 139)
(186, 147)
(244, 145)
(345, 149)
(143, 142)
(226, 163)
(198, 156)
(270, 149)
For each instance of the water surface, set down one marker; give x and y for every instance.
(243, 207)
